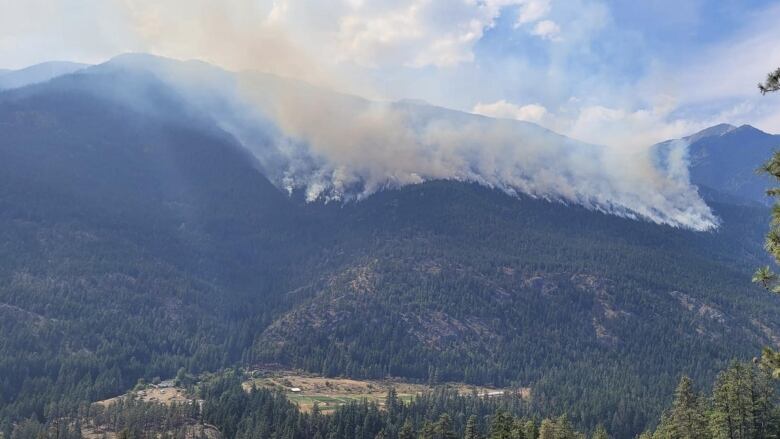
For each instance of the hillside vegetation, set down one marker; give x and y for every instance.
(134, 243)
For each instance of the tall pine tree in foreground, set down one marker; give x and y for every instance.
(686, 419)
(764, 275)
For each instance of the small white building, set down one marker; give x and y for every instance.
(295, 389)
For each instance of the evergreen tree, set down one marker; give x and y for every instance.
(741, 403)
(764, 275)
(600, 432)
(443, 428)
(471, 428)
(407, 431)
(501, 426)
(564, 429)
(530, 430)
(548, 430)
(518, 429)
(427, 431)
(686, 419)
(391, 401)
(771, 84)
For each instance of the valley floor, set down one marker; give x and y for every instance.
(307, 390)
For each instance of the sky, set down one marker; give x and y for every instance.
(621, 73)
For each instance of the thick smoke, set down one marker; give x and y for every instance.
(340, 147)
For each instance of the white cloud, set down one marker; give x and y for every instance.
(627, 129)
(714, 85)
(506, 110)
(33, 31)
(415, 33)
(532, 10)
(412, 33)
(533, 13)
(618, 128)
(547, 29)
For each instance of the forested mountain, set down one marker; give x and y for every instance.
(726, 158)
(139, 237)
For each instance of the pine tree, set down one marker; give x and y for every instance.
(471, 428)
(687, 418)
(548, 430)
(764, 275)
(391, 400)
(771, 84)
(518, 430)
(742, 402)
(530, 431)
(600, 432)
(407, 431)
(724, 417)
(501, 426)
(564, 428)
(443, 428)
(427, 431)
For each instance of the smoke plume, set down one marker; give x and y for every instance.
(337, 147)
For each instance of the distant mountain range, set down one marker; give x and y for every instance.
(37, 73)
(728, 160)
(142, 229)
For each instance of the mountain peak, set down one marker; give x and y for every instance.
(725, 158)
(750, 129)
(723, 129)
(716, 130)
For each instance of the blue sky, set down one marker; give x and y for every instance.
(623, 73)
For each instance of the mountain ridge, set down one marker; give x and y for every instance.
(280, 121)
(136, 243)
(10, 79)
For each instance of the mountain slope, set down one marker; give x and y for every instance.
(726, 158)
(37, 73)
(332, 146)
(132, 244)
(459, 282)
(138, 237)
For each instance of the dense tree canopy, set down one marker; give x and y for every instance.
(741, 405)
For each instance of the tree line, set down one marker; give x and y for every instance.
(742, 404)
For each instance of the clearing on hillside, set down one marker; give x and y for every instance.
(329, 393)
